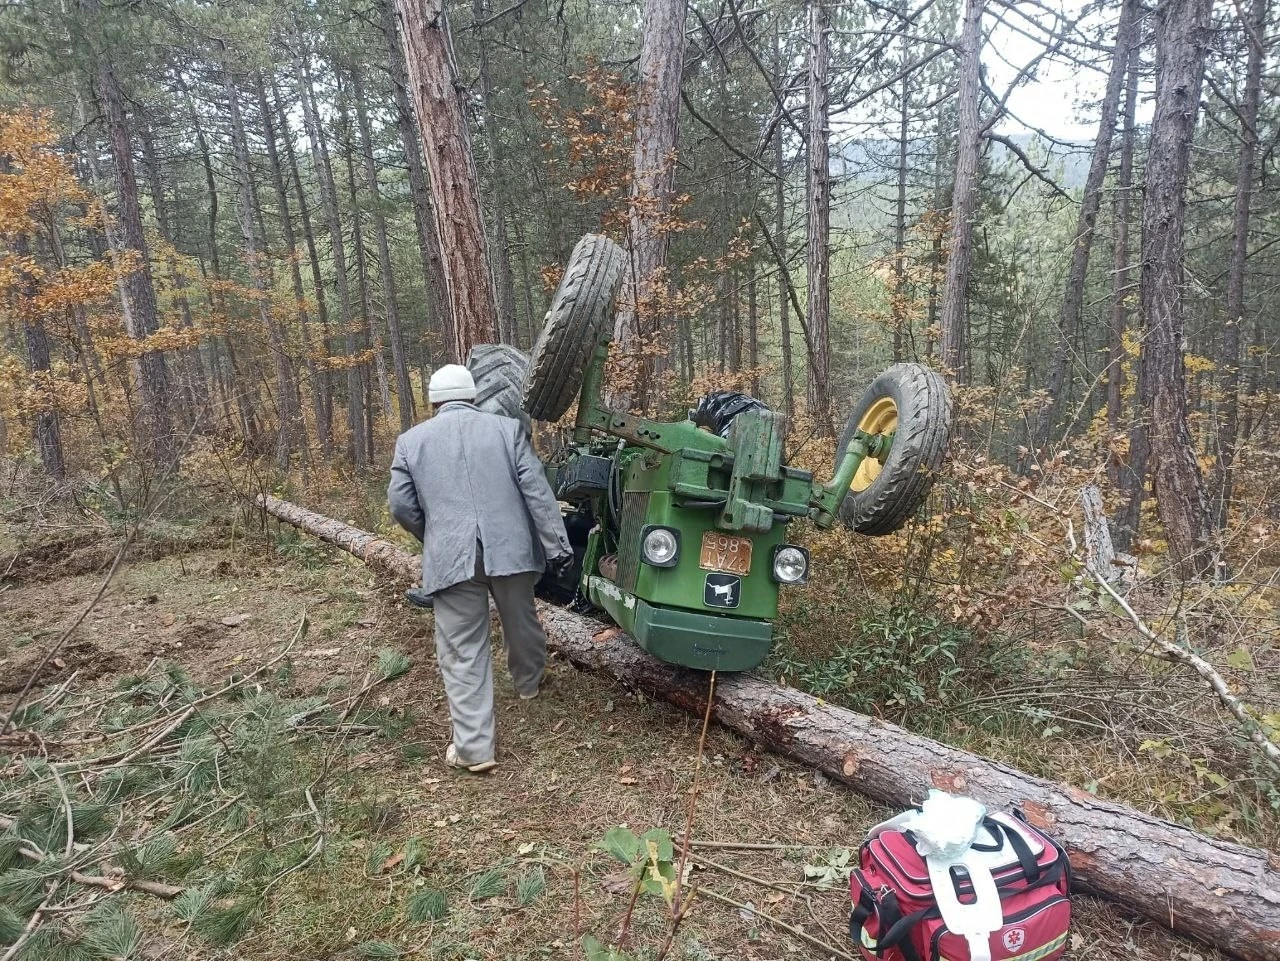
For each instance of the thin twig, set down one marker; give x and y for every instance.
(779, 923)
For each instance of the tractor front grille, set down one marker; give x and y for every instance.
(635, 504)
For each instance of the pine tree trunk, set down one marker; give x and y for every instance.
(653, 175)
(780, 231)
(295, 269)
(366, 344)
(1245, 172)
(356, 435)
(964, 196)
(451, 172)
(46, 431)
(322, 383)
(141, 314)
(439, 320)
(1183, 32)
(399, 362)
(503, 283)
(288, 429)
(1082, 244)
(898, 305)
(1120, 266)
(818, 196)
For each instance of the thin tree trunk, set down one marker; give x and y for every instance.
(288, 429)
(141, 314)
(1120, 266)
(1245, 172)
(366, 343)
(295, 269)
(819, 216)
(1082, 244)
(356, 432)
(404, 388)
(322, 383)
(1183, 33)
(653, 177)
(780, 229)
(898, 304)
(753, 329)
(451, 171)
(504, 287)
(964, 195)
(439, 318)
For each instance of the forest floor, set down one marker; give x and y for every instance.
(587, 756)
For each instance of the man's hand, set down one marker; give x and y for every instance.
(560, 566)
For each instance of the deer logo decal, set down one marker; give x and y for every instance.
(722, 590)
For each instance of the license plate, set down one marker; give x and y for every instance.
(722, 552)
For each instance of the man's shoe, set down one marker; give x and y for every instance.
(419, 598)
(530, 697)
(451, 758)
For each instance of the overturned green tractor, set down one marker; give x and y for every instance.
(681, 530)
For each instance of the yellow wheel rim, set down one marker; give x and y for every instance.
(881, 418)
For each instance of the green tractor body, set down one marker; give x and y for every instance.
(683, 532)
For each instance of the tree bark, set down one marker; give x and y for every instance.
(1120, 266)
(322, 382)
(503, 284)
(451, 171)
(1183, 32)
(818, 197)
(1225, 894)
(780, 243)
(964, 195)
(1082, 243)
(653, 175)
(899, 317)
(404, 388)
(356, 448)
(1246, 166)
(141, 314)
(289, 431)
(295, 269)
(439, 319)
(46, 431)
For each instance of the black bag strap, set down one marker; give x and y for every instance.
(996, 831)
(1030, 865)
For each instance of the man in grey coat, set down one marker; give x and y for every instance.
(468, 485)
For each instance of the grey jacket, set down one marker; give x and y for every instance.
(466, 476)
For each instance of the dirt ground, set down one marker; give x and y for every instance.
(586, 756)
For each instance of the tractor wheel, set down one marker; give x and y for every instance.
(716, 411)
(582, 305)
(499, 371)
(911, 402)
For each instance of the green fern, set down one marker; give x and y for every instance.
(426, 905)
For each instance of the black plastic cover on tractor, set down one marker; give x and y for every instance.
(716, 411)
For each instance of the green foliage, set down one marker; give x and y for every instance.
(110, 933)
(392, 664)
(530, 886)
(376, 949)
(221, 924)
(899, 658)
(23, 888)
(489, 884)
(596, 951)
(11, 924)
(415, 854)
(833, 870)
(426, 904)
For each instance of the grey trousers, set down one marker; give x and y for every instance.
(465, 659)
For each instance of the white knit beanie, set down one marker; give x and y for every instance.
(451, 382)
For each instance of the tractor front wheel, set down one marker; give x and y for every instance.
(582, 305)
(911, 403)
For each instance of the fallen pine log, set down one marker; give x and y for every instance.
(1225, 894)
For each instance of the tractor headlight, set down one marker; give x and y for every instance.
(660, 546)
(790, 564)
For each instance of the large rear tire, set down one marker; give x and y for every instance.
(582, 305)
(500, 371)
(911, 402)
